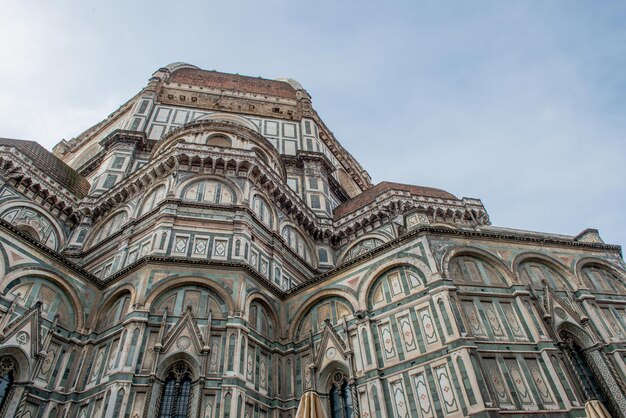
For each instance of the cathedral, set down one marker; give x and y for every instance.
(211, 250)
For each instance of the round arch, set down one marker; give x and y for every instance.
(244, 133)
(230, 118)
(342, 256)
(276, 331)
(179, 356)
(544, 259)
(256, 193)
(108, 300)
(139, 208)
(57, 281)
(172, 283)
(56, 226)
(326, 374)
(308, 243)
(591, 261)
(111, 299)
(304, 309)
(580, 335)
(97, 231)
(256, 296)
(492, 259)
(180, 188)
(366, 284)
(23, 369)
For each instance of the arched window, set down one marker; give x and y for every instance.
(34, 224)
(117, 411)
(296, 242)
(262, 210)
(7, 376)
(535, 272)
(474, 270)
(209, 191)
(176, 393)
(602, 280)
(261, 320)
(54, 413)
(110, 227)
(340, 397)
(361, 248)
(152, 200)
(133, 348)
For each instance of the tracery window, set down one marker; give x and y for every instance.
(175, 398)
(474, 270)
(209, 191)
(340, 397)
(34, 224)
(362, 247)
(262, 210)
(152, 200)
(7, 376)
(296, 242)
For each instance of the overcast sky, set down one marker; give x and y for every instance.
(520, 104)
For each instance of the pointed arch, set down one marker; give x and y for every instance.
(22, 362)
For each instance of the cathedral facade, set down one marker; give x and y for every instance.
(211, 250)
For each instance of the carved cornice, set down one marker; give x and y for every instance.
(20, 171)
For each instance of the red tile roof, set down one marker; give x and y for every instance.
(225, 81)
(372, 193)
(51, 165)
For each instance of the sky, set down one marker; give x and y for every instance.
(521, 104)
